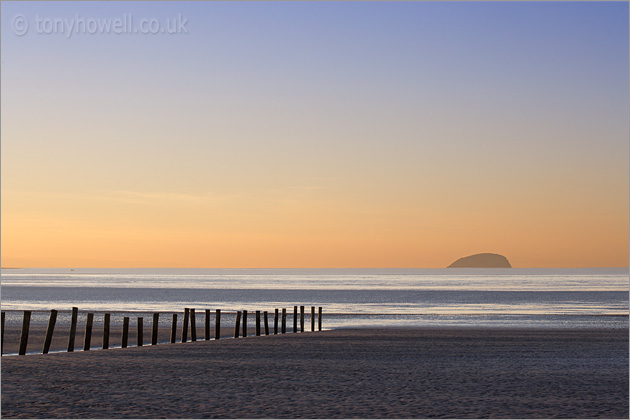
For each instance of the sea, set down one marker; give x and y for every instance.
(349, 298)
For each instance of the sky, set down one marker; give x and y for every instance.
(306, 134)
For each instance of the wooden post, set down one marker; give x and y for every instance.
(87, 340)
(257, 323)
(106, 318)
(49, 331)
(185, 326)
(154, 332)
(238, 323)
(244, 323)
(2, 333)
(125, 332)
(140, 328)
(275, 321)
(26, 323)
(207, 324)
(73, 328)
(174, 329)
(193, 325)
(319, 319)
(295, 316)
(284, 320)
(301, 318)
(266, 323)
(312, 319)
(217, 324)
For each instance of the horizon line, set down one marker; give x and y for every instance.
(313, 268)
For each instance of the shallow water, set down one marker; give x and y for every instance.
(577, 298)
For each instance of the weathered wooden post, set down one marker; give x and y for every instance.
(87, 340)
(238, 323)
(49, 331)
(2, 333)
(174, 329)
(73, 328)
(275, 321)
(140, 331)
(106, 319)
(26, 323)
(257, 323)
(266, 323)
(193, 325)
(154, 331)
(244, 323)
(217, 324)
(284, 320)
(301, 318)
(207, 329)
(125, 333)
(295, 319)
(312, 319)
(319, 319)
(185, 325)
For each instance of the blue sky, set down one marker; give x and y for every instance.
(434, 114)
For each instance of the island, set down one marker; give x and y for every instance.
(485, 260)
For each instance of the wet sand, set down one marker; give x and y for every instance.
(37, 335)
(367, 373)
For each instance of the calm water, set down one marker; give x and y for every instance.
(573, 298)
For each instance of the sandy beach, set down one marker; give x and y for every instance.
(361, 373)
(37, 334)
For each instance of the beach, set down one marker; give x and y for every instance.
(59, 343)
(343, 373)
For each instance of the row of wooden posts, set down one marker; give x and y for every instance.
(189, 317)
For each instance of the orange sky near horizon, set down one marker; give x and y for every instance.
(311, 137)
(304, 228)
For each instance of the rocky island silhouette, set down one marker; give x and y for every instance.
(484, 260)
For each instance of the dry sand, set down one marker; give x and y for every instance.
(375, 373)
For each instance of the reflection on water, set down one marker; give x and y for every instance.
(401, 297)
(328, 279)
